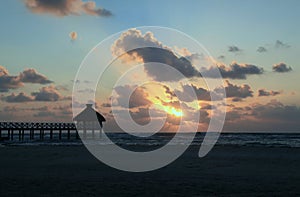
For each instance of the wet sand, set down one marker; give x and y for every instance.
(225, 171)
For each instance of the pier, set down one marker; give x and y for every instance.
(88, 123)
(18, 131)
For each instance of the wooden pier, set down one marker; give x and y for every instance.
(88, 121)
(12, 130)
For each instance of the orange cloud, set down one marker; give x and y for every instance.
(73, 35)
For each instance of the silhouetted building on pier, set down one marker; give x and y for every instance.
(89, 121)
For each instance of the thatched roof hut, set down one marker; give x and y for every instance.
(89, 115)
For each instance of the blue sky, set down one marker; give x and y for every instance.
(41, 40)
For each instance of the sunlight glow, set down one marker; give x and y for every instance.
(173, 111)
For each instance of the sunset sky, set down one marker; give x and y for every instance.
(255, 45)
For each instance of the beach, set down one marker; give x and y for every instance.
(225, 171)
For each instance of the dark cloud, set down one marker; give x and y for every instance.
(206, 106)
(30, 75)
(188, 91)
(273, 116)
(263, 92)
(8, 81)
(86, 90)
(154, 53)
(10, 109)
(105, 105)
(167, 57)
(281, 68)
(234, 49)
(18, 98)
(146, 48)
(138, 98)
(169, 92)
(280, 44)
(141, 116)
(237, 92)
(261, 49)
(221, 57)
(236, 99)
(234, 71)
(63, 8)
(90, 9)
(49, 93)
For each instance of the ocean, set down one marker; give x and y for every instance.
(160, 139)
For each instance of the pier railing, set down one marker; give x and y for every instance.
(10, 130)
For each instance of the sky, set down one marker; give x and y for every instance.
(254, 45)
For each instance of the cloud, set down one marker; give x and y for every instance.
(18, 98)
(234, 49)
(73, 35)
(106, 105)
(44, 114)
(281, 68)
(234, 71)
(146, 48)
(63, 8)
(9, 112)
(49, 93)
(273, 116)
(159, 73)
(7, 81)
(133, 39)
(221, 57)
(90, 8)
(236, 99)
(3, 71)
(206, 106)
(280, 44)
(141, 116)
(188, 91)
(138, 98)
(262, 92)
(261, 49)
(169, 92)
(237, 92)
(86, 90)
(135, 46)
(30, 75)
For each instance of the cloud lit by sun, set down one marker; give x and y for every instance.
(173, 111)
(168, 109)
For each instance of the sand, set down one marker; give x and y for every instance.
(225, 171)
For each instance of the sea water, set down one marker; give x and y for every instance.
(159, 139)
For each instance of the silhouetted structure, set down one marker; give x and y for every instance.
(89, 120)
(9, 130)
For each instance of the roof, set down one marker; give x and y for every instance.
(89, 114)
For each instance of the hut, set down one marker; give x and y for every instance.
(89, 120)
